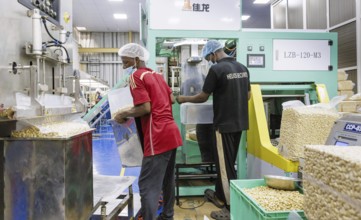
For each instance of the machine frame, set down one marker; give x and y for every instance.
(257, 156)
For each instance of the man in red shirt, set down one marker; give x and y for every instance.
(152, 99)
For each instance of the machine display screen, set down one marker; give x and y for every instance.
(340, 143)
(255, 60)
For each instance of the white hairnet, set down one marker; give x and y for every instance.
(134, 50)
(210, 47)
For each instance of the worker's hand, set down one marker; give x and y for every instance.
(120, 118)
(179, 99)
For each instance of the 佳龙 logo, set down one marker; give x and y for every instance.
(199, 7)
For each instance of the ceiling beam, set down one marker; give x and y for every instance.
(98, 50)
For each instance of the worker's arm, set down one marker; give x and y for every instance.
(199, 98)
(136, 111)
(172, 98)
(249, 95)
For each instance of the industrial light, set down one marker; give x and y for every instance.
(120, 16)
(81, 28)
(261, 2)
(245, 17)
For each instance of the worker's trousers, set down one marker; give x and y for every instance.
(156, 175)
(225, 156)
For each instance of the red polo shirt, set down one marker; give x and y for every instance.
(161, 133)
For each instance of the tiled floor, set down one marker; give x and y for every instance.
(106, 161)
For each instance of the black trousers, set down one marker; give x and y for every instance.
(225, 157)
(206, 141)
(157, 174)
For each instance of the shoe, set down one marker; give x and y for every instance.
(211, 196)
(222, 214)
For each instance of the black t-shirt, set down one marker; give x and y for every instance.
(228, 80)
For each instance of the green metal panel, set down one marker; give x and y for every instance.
(257, 38)
(242, 157)
(194, 190)
(267, 74)
(265, 39)
(190, 150)
(176, 113)
(153, 34)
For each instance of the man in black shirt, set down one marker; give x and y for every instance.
(228, 82)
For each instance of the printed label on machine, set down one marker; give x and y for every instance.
(352, 127)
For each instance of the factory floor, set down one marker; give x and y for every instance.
(193, 208)
(106, 161)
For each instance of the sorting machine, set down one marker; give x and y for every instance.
(346, 131)
(283, 66)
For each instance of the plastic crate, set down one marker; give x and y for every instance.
(245, 208)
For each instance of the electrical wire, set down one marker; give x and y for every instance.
(194, 207)
(61, 52)
(47, 31)
(51, 42)
(66, 51)
(56, 43)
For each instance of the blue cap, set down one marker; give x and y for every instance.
(210, 47)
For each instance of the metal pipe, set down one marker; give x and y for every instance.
(358, 44)
(62, 38)
(103, 211)
(130, 37)
(115, 212)
(63, 74)
(60, 72)
(38, 69)
(307, 99)
(44, 82)
(33, 84)
(279, 96)
(37, 40)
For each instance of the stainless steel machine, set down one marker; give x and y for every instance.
(346, 131)
(42, 175)
(45, 177)
(38, 75)
(41, 182)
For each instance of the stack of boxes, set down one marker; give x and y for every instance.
(345, 87)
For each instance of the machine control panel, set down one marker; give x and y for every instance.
(256, 60)
(48, 8)
(346, 131)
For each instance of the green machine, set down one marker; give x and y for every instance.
(283, 66)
